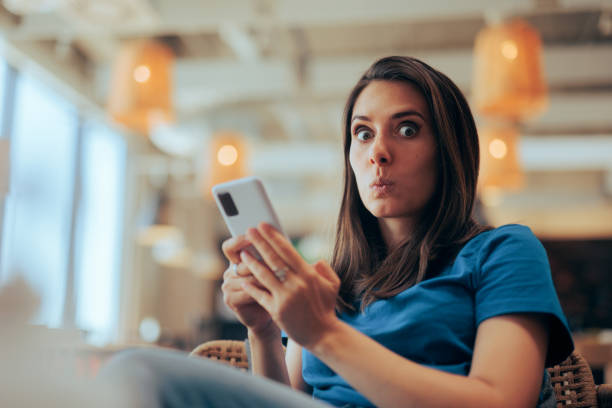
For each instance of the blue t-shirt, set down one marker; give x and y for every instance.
(501, 271)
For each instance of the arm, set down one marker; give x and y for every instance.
(267, 357)
(507, 364)
(294, 366)
(272, 366)
(507, 367)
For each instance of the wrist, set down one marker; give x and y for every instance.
(329, 339)
(266, 333)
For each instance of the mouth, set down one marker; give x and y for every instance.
(381, 186)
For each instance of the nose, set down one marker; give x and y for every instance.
(380, 153)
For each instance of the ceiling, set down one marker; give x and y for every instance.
(279, 70)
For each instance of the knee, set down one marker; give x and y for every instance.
(131, 374)
(128, 359)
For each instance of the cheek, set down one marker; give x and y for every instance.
(432, 170)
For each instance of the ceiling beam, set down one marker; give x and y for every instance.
(564, 66)
(242, 42)
(196, 16)
(203, 84)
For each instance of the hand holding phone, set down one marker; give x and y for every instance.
(244, 204)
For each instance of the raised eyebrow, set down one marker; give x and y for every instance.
(394, 116)
(360, 117)
(408, 113)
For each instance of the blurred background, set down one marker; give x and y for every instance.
(117, 117)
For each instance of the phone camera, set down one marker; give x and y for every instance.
(228, 204)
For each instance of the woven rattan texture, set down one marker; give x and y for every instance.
(572, 380)
(227, 351)
(604, 395)
(573, 383)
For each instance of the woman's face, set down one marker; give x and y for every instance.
(393, 150)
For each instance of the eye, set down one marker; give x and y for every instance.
(363, 134)
(408, 129)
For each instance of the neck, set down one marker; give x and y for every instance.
(395, 230)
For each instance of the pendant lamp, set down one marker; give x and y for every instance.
(499, 162)
(508, 80)
(141, 89)
(227, 159)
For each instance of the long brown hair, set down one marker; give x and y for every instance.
(367, 269)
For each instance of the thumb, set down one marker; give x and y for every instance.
(323, 269)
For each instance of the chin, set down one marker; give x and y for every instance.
(389, 208)
(384, 211)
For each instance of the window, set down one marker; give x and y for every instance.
(4, 147)
(39, 212)
(3, 69)
(98, 240)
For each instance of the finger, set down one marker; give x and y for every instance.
(269, 255)
(231, 247)
(243, 270)
(239, 298)
(261, 272)
(327, 272)
(233, 282)
(261, 296)
(282, 246)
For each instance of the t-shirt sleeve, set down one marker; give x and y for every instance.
(514, 277)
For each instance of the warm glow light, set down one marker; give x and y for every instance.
(509, 50)
(498, 148)
(508, 77)
(227, 159)
(140, 93)
(142, 73)
(500, 165)
(227, 155)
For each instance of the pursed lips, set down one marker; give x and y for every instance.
(380, 182)
(381, 186)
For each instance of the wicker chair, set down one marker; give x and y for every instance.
(572, 379)
(230, 352)
(573, 383)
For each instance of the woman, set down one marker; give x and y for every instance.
(420, 306)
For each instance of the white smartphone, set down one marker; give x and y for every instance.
(244, 204)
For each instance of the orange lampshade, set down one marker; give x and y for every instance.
(499, 161)
(227, 159)
(508, 79)
(141, 89)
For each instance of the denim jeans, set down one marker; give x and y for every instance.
(164, 379)
(170, 379)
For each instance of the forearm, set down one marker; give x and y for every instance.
(390, 380)
(267, 355)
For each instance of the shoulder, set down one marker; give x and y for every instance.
(507, 250)
(511, 232)
(511, 275)
(508, 232)
(511, 240)
(510, 255)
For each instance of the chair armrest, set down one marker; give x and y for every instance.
(231, 352)
(604, 395)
